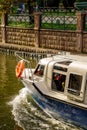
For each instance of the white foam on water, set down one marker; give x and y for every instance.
(30, 117)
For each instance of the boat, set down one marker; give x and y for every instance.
(58, 84)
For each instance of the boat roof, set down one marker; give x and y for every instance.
(65, 59)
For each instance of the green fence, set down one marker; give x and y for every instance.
(59, 19)
(21, 20)
(58, 22)
(51, 18)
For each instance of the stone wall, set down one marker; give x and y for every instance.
(20, 36)
(0, 34)
(46, 39)
(39, 39)
(84, 43)
(60, 40)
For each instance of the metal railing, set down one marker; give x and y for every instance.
(26, 64)
(21, 20)
(57, 10)
(59, 19)
(51, 18)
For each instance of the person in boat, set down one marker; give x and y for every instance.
(39, 71)
(59, 81)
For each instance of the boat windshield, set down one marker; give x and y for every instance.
(39, 70)
(75, 82)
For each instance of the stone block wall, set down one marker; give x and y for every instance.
(20, 36)
(84, 43)
(0, 34)
(60, 40)
(44, 39)
(47, 39)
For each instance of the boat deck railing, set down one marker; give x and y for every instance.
(27, 63)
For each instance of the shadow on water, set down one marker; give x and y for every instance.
(29, 116)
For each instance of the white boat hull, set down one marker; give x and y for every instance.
(68, 112)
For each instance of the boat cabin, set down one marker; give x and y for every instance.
(67, 76)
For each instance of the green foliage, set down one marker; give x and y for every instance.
(81, 0)
(20, 24)
(59, 26)
(5, 5)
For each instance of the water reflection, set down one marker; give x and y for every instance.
(8, 89)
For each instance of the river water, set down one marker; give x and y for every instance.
(18, 111)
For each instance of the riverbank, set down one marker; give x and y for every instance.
(12, 48)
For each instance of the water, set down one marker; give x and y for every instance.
(18, 111)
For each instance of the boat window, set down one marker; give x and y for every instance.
(75, 82)
(65, 62)
(58, 82)
(39, 70)
(60, 68)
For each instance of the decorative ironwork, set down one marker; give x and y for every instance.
(58, 19)
(21, 20)
(52, 18)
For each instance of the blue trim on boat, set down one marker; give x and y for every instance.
(60, 109)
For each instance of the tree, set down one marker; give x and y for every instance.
(68, 3)
(81, 0)
(31, 4)
(4, 5)
(53, 3)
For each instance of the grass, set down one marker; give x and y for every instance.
(59, 26)
(21, 24)
(44, 25)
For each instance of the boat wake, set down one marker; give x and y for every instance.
(29, 116)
